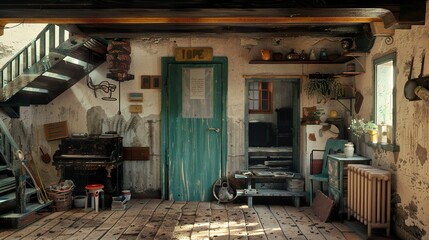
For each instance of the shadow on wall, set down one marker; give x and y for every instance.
(132, 130)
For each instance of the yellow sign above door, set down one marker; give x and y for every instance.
(194, 54)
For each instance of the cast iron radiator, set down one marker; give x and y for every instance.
(368, 201)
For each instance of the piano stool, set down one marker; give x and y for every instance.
(94, 191)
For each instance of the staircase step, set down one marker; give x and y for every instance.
(8, 201)
(12, 196)
(4, 167)
(19, 220)
(7, 184)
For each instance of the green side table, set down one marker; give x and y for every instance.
(337, 182)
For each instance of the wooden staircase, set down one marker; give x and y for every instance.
(47, 67)
(44, 69)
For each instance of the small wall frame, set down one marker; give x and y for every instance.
(136, 108)
(135, 97)
(146, 82)
(150, 82)
(155, 82)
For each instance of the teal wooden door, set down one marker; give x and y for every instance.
(194, 108)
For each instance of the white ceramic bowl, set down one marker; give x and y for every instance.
(79, 201)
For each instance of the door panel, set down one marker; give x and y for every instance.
(194, 130)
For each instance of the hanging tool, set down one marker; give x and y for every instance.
(45, 157)
(20, 157)
(417, 88)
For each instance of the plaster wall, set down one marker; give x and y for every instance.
(410, 166)
(86, 113)
(16, 36)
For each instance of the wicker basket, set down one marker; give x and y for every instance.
(62, 200)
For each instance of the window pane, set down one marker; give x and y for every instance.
(251, 105)
(254, 86)
(259, 96)
(385, 81)
(384, 97)
(264, 85)
(265, 105)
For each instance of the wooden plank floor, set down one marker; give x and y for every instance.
(156, 219)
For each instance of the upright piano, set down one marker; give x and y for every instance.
(91, 159)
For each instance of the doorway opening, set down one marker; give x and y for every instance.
(272, 121)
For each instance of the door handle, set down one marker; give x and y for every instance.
(214, 129)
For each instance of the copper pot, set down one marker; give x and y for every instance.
(265, 54)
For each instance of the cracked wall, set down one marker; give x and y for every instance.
(85, 113)
(409, 167)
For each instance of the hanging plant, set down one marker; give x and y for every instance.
(325, 88)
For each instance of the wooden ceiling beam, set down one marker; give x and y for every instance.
(198, 20)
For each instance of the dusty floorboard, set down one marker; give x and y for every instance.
(156, 219)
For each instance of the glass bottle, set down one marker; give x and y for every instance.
(303, 55)
(323, 54)
(312, 55)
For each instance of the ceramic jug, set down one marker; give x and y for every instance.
(349, 149)
(265, 54)
(292, 55)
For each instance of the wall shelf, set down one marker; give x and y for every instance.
(348, 74)
(346, 57)
(348, 108)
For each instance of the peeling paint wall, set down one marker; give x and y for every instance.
(410, 167)
(87, 114)
(16, 36)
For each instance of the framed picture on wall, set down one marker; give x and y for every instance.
(135, 97)
(155, 82)
(145, 82)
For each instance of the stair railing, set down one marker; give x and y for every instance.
(16, 161)
(8, 150)
(49, 38)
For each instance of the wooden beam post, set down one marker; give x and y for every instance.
(2, 25)
(377, 29)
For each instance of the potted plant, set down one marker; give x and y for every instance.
(360, 127)
(323, 87)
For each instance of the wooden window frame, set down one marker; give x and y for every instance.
(269, 99)
(386, 58)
